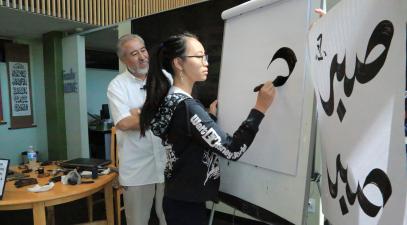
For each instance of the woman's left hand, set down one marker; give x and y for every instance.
(213, 108)
(320, 12)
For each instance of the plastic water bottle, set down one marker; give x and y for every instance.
(32, 157)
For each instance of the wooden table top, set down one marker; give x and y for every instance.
(20, 198)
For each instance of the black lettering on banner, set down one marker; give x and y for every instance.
(18, 107)
(16, 81)
(18, 66)
(20, 99)
(23, 99)
(364, 72)
(20, 90)
(376, 177)
(319, 47)
(17, 99)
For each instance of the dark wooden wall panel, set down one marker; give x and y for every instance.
(204, 20)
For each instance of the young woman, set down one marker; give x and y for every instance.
(192, 138)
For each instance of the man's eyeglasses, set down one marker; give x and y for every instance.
(204, 58)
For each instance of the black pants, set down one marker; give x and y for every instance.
(184, 213)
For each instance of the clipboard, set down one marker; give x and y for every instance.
(4, 164)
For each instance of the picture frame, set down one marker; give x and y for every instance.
(4, 165)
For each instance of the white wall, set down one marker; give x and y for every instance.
(76, 123)
(97, 81)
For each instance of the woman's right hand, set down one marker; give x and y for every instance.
(265, 97)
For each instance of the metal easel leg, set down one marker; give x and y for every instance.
(212, 214)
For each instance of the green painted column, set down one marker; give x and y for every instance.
(54, 95)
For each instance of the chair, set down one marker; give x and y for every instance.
(113, 149)
(117, 191)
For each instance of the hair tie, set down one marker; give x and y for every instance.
(168, 76)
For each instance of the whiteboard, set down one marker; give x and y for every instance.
(273, 173)
(246, 55)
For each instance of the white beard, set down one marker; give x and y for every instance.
(143, 71)
(135, 71)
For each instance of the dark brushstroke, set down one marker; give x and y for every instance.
(289, 56)
(319, 47)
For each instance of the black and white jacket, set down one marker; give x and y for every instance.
(193, 142)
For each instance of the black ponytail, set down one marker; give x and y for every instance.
(157, 85)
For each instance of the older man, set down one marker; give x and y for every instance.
(141, 159)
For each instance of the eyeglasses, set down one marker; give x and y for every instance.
(204, 58)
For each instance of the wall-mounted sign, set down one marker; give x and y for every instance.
(70, 83)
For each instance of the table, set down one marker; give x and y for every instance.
(19, 198)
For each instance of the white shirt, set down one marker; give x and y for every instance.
(141, 160)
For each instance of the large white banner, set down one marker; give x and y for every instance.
(358, 57)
